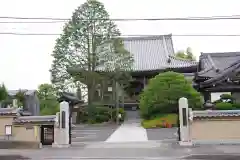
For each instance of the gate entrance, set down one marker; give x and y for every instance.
(47, 134)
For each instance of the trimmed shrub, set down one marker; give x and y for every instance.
(224, 106)
(236, 106)
(163, 93)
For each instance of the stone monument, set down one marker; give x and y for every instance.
(184, 122)
(61, 129)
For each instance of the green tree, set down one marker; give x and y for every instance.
(3, 94)
(20, 96)
(188, 54)
(163, 92)
(48, 99)
(89, 50)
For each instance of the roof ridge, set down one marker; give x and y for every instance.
(221, 54)
(147, 37)
(182, 59)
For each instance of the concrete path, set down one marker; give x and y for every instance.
(129, 131)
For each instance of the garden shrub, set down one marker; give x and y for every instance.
(163, 93)
(225, 98)
(161, 121)
(236, 106)
(224, 106)
(100, 114)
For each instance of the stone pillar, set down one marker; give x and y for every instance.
(184, 122)
(61, 130)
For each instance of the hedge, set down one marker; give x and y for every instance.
(163, 92)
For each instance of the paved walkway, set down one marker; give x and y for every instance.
(129, 131)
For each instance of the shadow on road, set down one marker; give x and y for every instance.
(13, 157)
(213, 157)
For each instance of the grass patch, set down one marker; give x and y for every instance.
(161, 121)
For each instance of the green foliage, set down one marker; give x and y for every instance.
(224, 106)
(20, 96)
(101, 114)
(120, 111)
(3, 93)
(236, 106)
(90, 42)
(186, 54)
(225, 98)
(48, 99)
(163, 93)
(161, 121)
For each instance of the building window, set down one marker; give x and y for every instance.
(8, 130)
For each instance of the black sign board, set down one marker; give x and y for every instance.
(184, 113)
(63, 119)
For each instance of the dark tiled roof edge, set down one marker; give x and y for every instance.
(147, 37)
(34, 119)
(216, 113)
(220, 54)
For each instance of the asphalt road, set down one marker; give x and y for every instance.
(136, 151)
(84, 134)
(162, 134)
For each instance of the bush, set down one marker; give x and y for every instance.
(161, 121)
(100, 114)
(163, 92)
(224, 106)
(236, 106)
(225, 98)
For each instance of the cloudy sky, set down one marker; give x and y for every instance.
(25, 60)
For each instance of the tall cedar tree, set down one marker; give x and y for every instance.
(89, 50)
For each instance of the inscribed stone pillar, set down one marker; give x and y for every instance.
(62, 133)
(184, 122)
(15, 103)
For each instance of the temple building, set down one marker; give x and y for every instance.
(152, 55)
(218, 73)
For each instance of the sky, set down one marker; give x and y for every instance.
(26, 60)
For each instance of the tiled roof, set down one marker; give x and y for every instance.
(216, 113)
(154, 53)
(8, 111)
(149, 53)
(14, 112)
(213, 64)
(26, 92)
(35, 119)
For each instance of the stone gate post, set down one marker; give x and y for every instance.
(61, 130)
(184, 122)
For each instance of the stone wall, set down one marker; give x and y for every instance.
(208, 126)
(216, 126)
